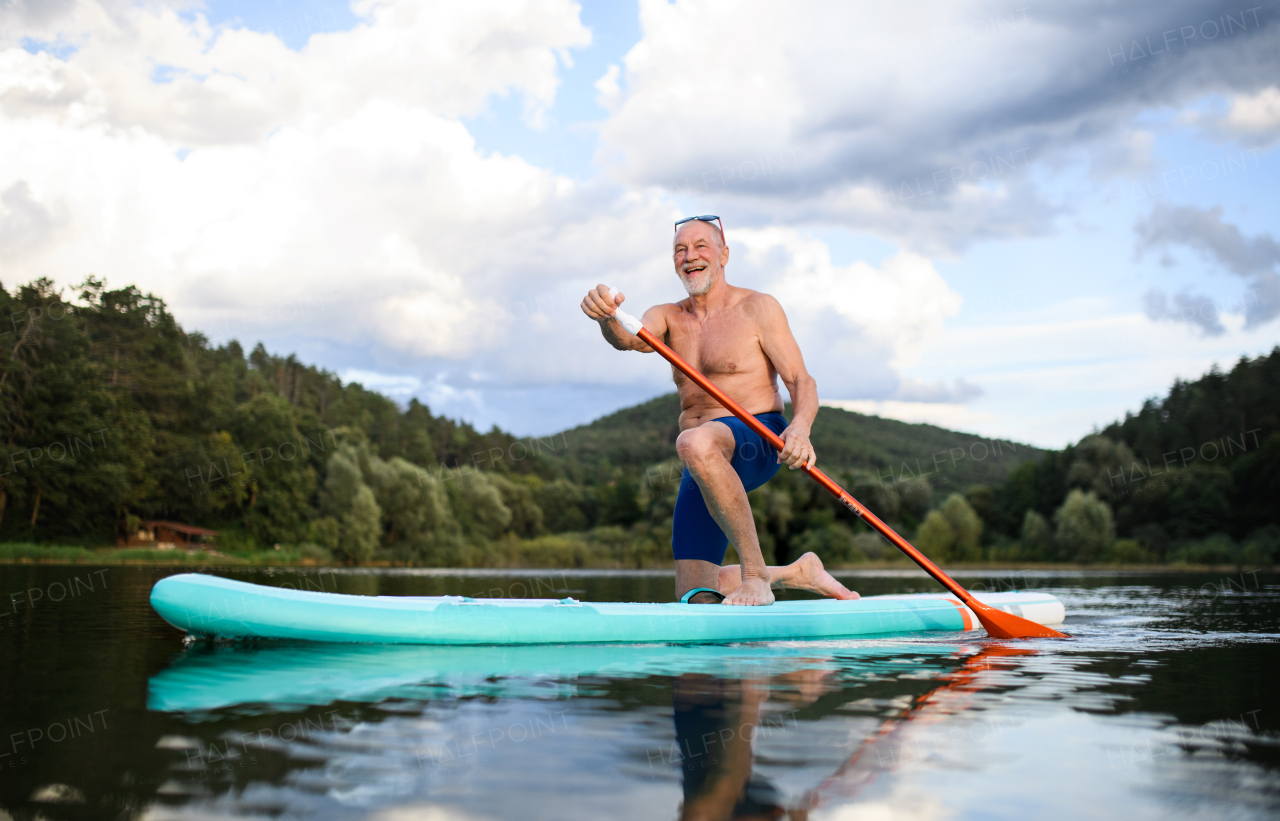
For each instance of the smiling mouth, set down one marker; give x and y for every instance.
(694, 270)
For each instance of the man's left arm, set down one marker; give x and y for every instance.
(781, 348)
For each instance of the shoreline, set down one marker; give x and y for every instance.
(73, 557)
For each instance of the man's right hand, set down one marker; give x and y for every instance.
(599, 305)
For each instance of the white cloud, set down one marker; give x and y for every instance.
(236, 86)
(857, 324)
(330, 192)
(608, 91)
(1256, 115)
(916, 123)
(1050, 375)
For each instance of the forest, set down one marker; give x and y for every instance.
(111, 414)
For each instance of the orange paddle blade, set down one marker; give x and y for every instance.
(1004, 625)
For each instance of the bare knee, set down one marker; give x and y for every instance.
(697, 446)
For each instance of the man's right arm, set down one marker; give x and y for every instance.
(600, 306)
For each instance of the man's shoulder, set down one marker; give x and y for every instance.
(760, 303)
(666, 308)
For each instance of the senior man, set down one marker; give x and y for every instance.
(739, 339)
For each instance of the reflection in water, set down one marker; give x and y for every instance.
(717, 720)
(892, 745)
(211, 677)
(1162, 705)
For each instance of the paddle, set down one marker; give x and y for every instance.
(997, 622)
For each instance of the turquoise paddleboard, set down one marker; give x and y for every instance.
(211, 606)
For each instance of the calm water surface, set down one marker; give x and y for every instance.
(1163, 704)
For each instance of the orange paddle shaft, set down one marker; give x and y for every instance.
(997, 622)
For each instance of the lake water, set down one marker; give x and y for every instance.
(1163, 704)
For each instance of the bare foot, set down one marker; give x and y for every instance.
(752, 591)
(811, 575)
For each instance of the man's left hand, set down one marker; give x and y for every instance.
(798, 451)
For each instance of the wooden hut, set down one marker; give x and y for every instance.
(163, 535)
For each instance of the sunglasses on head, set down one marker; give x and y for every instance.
(707, 218)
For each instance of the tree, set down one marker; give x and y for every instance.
(618, 504)
(984, 500)
(1037, 536)
(61, 457)
(477, 504)
(1100, 464)
(565, 506)
(1200, 503)
(952, 533)
(279, 476)
(1085, 527)
(517, 495)
(355, 518)
(936, 537)
(916, 498)
(880, 498)
(967, 527)
(416, 517)
(1257, 486)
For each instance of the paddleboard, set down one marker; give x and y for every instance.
(211, 606)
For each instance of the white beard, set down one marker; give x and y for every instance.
(697, 287)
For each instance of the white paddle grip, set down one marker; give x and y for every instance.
(628, 321)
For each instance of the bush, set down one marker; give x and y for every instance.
(314, 553)
(1217, 549)
(1007, 550)
(1127, 551)
(1262, 546)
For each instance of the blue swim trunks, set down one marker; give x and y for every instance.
(696, 534)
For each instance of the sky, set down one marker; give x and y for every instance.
(1015, 219)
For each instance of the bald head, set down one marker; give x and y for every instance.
(694, 229)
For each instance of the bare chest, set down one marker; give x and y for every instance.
(718, 345)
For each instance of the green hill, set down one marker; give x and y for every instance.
(643, 435)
